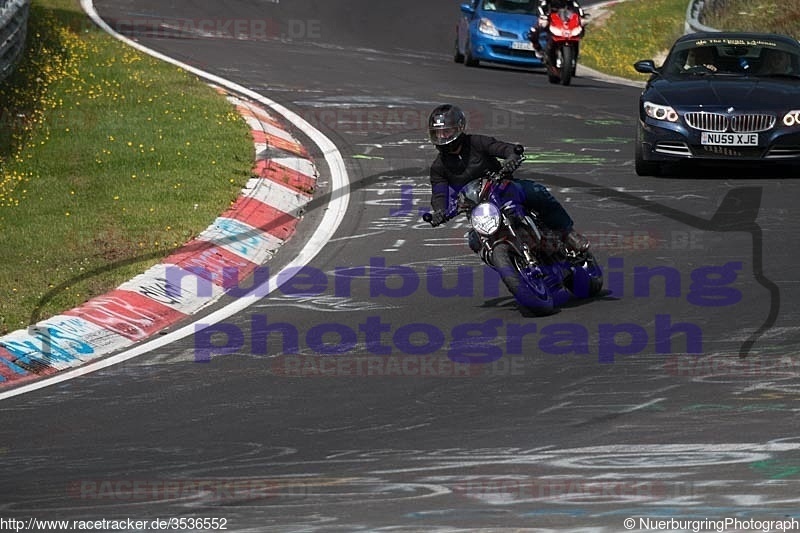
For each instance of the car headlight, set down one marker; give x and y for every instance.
(487, 26)
(660, 112)
(485, 218)
(792, 118)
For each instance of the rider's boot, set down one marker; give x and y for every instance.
(576, 242)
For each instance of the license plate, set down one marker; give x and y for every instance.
(729, 139)
(518, 45)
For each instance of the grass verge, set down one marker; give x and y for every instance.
(109, 160)
(646, 29)
(773, 16)
(633, 30)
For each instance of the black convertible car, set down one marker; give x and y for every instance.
(721, 97)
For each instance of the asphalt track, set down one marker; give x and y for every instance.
(596, 414)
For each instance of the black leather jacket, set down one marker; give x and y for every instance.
(478, 155)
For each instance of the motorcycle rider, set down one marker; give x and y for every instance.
(701, 57)
(545, 8)
(464, 157)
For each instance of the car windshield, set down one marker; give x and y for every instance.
(733, 57)
(527, 7)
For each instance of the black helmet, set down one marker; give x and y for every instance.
(446, 124)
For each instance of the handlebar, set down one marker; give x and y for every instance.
(428, 217)
(497, 176)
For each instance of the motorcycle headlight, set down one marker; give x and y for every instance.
(486, 26)
(792, 118)
(660, 112)
(485, 218)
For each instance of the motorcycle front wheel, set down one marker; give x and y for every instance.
(567, 58)
(553, 75)
(526, 284)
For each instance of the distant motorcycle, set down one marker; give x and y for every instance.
(564, 33)
(532, 260)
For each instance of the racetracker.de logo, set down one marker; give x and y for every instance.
(391, 366)
(247, 29)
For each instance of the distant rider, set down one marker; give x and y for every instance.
(464, 157)
(544, 9)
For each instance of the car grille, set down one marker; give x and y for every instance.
(507, 51)
(707, 121)
(732, 151)
(508, 34)
(752, 123)
(718, 122)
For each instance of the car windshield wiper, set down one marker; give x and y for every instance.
(698, 70)
(716, 74)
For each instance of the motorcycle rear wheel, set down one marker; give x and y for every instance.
(528, 288)
(587, 279)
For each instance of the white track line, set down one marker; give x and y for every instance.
(334, 214)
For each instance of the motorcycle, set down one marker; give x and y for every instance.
(564, 32)
(532, 260)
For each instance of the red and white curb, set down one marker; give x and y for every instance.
(240, 240)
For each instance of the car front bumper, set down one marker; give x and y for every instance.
(675, 142)
(502, 50)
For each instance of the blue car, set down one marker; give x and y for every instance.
(496, 31)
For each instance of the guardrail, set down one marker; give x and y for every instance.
(13, 29)
(695, 12)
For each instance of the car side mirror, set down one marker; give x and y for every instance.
(467, 9)
(645, 66)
